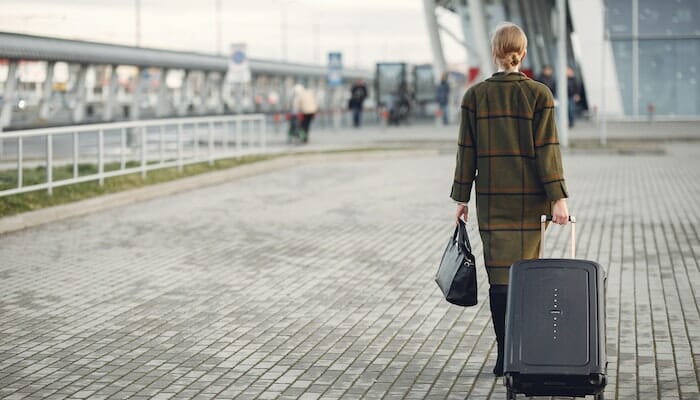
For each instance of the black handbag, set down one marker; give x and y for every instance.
(456, 276)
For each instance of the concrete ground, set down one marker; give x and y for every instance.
(316, 282)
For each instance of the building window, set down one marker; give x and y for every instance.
(656, 55)
(622, 50)
(671, 17)
(668, 77)
(620, 17)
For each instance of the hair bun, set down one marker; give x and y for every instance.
(514, 60)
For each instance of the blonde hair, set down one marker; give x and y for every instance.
(508, 44)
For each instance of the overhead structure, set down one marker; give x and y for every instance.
(157, 83)
(478, 22)
(475, 31)
(481, 17)
(434, 35)
(561, 32)
(561, 66)
(30, 47)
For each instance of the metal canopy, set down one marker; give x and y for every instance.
(269, 67)
(41, 48)
(29, 47)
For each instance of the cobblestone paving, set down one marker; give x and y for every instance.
(316, 283)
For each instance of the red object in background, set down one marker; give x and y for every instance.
(473, 74)
(651, 108)
(385, 114)
(528, 73)
(276, 118)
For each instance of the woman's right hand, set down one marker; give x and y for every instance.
(462, 211)
(560, 212)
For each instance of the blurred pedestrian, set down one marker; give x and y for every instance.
(547, 77)
(508, 125)
(400, 105)
(443, 97)
(305, 104)
(573, 91)
(358, 94)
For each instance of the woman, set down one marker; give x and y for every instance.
(508, 144)
(443, 98)
(304, 103)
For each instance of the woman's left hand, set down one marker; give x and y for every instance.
(462, 211)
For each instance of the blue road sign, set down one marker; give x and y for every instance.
(238, 56)
(335, 69)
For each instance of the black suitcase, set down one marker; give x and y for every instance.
(555, 326)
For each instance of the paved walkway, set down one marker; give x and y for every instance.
(316, 282)
(584, 131)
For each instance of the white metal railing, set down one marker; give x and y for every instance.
(178, 142)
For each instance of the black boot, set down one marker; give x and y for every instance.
(497, 298)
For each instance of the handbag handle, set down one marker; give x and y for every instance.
(461, 236)
(547, 217)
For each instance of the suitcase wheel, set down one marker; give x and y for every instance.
(599, 396)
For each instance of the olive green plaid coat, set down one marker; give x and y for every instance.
(508, 144)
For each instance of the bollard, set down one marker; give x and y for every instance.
(277, 119)
(384, 113)
(438, 117)
(337, 119)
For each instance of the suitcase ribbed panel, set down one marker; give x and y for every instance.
(568, 358)
(557, 316)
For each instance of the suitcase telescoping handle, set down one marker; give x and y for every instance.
(544, 218)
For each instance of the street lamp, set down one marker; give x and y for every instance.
(283, 26)
(138, 23)
(218, 27)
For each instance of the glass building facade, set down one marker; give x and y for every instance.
(656, 45)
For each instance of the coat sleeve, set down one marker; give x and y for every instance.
(547, 152)
(465, 170)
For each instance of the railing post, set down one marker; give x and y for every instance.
(239, 138)
(211, 144)
(195, 133)
(162, 144)
(263, 133)
(20, 167)
(179, 147)
(101, 156)
(76, 157)
(49, 164)
(224, 137)
(144, 143)
(123, 149)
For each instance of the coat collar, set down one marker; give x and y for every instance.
(507, 77)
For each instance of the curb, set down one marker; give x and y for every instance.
(92, 205)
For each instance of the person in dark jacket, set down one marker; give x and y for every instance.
(358, 94)
(547, 77)
(443, 97)
(508, 146)
(573, 91)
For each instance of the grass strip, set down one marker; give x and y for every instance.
(23, 202)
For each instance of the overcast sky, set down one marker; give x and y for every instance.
(366, 31)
